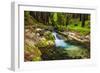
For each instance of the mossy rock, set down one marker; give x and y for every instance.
(31, 53)
(36, 59)
(44, 43)
(78, 53)
(49, 36)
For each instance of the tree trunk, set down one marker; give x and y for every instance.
(83, 20)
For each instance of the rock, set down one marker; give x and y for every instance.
(87, 37)
(27, 30)
(27, 53)
(38, 29)
(78, 53)
(50, 42)
(31, 52)
(41, 43)
(76, 38)
(42, 39)
(29, 34)
(71, 34)
(48, 35)
(38, 34)
(29, 41)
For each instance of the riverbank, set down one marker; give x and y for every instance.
(40, 45)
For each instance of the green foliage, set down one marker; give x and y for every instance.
(55, 18)
(58, 20)
(61, 23)
(87, 24)
(28, 19)
(61, 28)
(79, 29)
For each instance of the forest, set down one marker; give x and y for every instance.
(56, 36)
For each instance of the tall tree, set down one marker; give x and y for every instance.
(83, 20)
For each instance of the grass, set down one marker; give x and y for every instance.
(77, 28)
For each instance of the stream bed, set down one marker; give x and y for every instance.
(59, 42)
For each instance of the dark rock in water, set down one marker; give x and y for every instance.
(58, 36)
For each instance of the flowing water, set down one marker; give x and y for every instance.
(59, 42)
